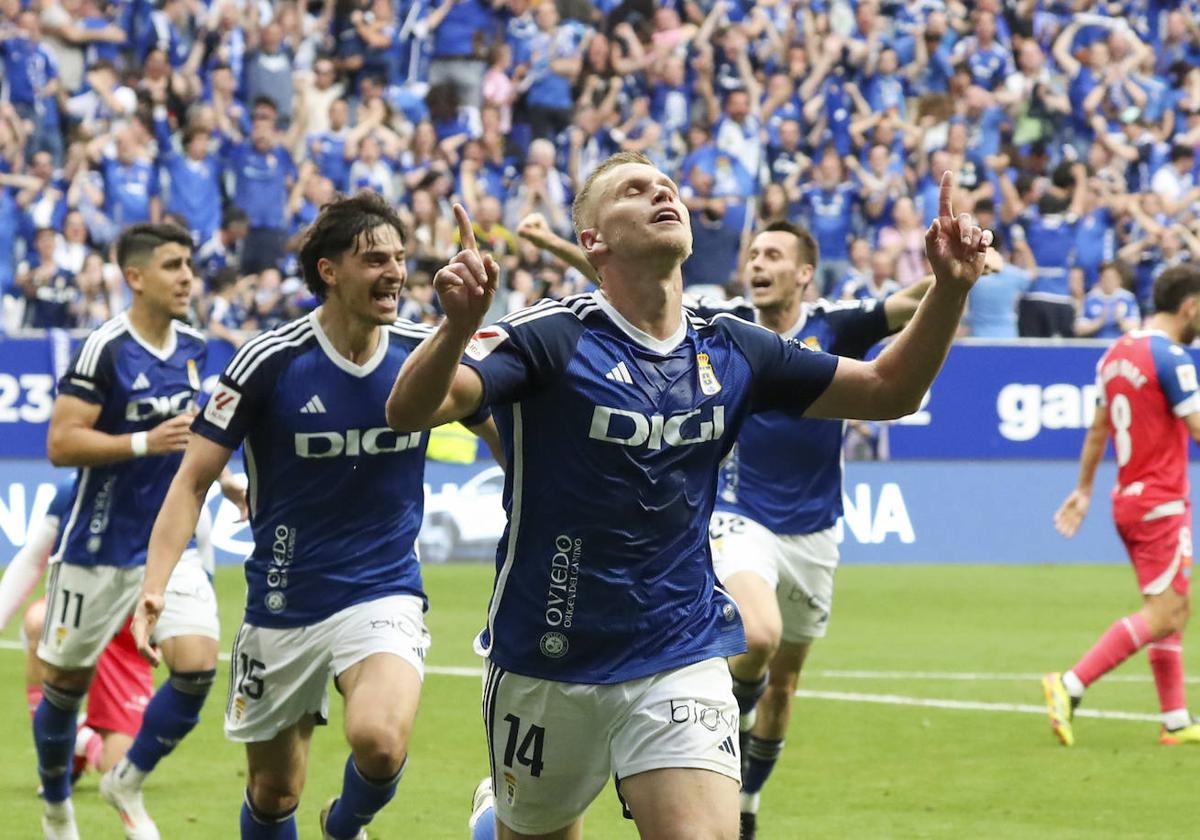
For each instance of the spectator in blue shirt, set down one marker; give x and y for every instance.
(131, 193)
(827, 208)
(554, 63)
(263, 174)
(989, 61)
(193, 180)
(1109, 310)
(50, 290)
(327, 149)
(223, 249)
(463, 30)
(992, 303)
(268, 72)
(31, 79)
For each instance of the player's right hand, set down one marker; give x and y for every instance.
(1071, 513)
(145, 617)
(467, 285)
(169, 435)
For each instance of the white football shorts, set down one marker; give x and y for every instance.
(86, 606)
(277, 676)
(799, 567)
(555, 745)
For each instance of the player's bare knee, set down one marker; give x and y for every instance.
(34, 618)
(69, 680)
(379, 747)
(272, 794)
(762, 640)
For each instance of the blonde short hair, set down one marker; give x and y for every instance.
(582, 213)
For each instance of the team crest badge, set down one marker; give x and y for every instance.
(812, 343)
(193, 375)
(510, 789)
(709, 384)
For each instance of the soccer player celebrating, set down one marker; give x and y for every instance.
(1150, 405)
(606, 635)
(121, 417)
(780, 496)
(333, 583)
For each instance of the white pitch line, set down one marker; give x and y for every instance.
(964, 705)
(856, 697)
(964, 676)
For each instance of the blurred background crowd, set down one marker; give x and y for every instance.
(1072, 126)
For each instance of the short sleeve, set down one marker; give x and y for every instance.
(92, 372)
(497, 355)
(858, 328)
(787, 376)
(232, 409)
(1177, 377)
(518, 354)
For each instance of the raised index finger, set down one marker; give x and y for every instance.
(947, 187)
(466, 233)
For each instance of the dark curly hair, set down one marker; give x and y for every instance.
(337, 229)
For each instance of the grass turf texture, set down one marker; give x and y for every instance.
(850, 769)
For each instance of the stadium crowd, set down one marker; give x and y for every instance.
(1072, 126)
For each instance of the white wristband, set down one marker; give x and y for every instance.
(138, 443)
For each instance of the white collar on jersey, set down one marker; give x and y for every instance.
(160, 353)
(661, 346)
(367, 367)
(794, 330)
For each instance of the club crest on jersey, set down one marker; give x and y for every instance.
(812, 343)
(709, 384)
(484, 342)
(193, 374)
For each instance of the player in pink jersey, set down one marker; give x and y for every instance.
(1150, 405)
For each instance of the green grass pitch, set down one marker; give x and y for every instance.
(919, 720)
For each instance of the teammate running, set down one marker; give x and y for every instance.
(606, 635)
(333, 583)
(121, 417)
(780, 495)
(1150, 405)
(123, 682)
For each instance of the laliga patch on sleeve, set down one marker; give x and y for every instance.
(484, 342)
(221, 406)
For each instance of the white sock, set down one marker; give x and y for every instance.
(128, 775)
(1073, 684)
(750, 803)
(1176, 719)
(62, 809)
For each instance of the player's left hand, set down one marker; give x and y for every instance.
(234, 490)
(149, 608)
(955, 245)
(1071, 513)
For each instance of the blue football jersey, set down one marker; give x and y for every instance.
(613, 440)
(786, 471)
(336, 497)
(137, 386)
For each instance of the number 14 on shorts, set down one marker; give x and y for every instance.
(525, 749)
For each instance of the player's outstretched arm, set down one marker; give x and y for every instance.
(1074, 508)
(534, 228)
(893, 384)
(73, 440)
(203, 463)
(432, 387)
